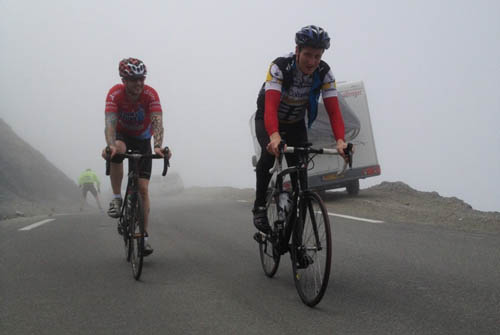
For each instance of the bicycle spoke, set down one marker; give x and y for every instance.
(312, 256)
(136, 237)
(269, 258)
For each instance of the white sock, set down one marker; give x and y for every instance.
(117, 196)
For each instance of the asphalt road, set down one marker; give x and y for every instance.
(69, 276)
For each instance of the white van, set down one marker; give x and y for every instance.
(358, 130)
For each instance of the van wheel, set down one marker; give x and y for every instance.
(353, 187)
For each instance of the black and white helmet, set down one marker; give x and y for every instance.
(312, 36)
(132, 68)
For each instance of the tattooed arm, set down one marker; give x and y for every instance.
(157, 124)
(110, 133)
(110, 129)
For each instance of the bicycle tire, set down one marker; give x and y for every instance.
(124, 222)
(311, 249)
(269, 256)
(136, 237)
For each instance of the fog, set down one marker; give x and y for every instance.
(431, 71)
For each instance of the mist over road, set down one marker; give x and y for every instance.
(69, 276)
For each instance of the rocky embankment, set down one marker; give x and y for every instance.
(397, 202)
(392, 202)
(29, 183)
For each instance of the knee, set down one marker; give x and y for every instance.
(143, 190)
(265, 162)
(121, 147)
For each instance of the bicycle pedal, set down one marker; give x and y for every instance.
(304, 262)
(259, 237)
(280, 249)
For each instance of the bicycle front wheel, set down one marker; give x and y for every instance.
(269, 256)
(311, 250)
(136, 237)
(124, 221)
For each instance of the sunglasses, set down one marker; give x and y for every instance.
(134, 79)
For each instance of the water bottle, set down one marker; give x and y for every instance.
(285, 201)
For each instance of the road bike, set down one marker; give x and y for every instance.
(131, 219)
(299, 215)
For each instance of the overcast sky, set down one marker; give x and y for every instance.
(431, 70)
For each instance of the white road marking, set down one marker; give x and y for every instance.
(37, 224)
(355, 218)
(242, 200)
(80, 213)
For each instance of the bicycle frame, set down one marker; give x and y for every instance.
(133, 201)
(288, 220)
(303, 229)
(299, 187)
(132, 181)
(134, 158)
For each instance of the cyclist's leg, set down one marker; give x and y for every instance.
(116, 170)
(265, 163)
(296, 135)
(145, 167)
(94, 193)
(116, 177)
(98, 202)
(263, 177)
(84, 197)
(144, 192)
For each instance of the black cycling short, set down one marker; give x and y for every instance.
(144, 147)
(88, 188)
(295, 135)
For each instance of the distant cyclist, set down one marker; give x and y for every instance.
(291, 91)
(86, 182)
(133, 115)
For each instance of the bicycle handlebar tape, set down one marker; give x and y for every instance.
(108, 153)
(349, 154)
(281, 146)
(166, 162)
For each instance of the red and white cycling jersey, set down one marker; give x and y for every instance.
(295, 99)
(134, 118)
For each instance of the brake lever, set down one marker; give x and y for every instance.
(166, 161)
(281, 147)
(108, 158)
(348, 153)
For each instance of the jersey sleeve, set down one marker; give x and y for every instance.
(329, 87)
(273, 86)
(154, 100)
(336, 120)
(111, 103)
(271, 111)
(274, 78)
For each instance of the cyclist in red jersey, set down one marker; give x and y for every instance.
(286, 100)
(133, 115)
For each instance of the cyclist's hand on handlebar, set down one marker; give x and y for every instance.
(159, 152)
(341, 145)
(113, 151)
(273, 146)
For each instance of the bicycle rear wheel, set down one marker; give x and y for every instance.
(136, 236)
(311, 250)
(269, 256)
